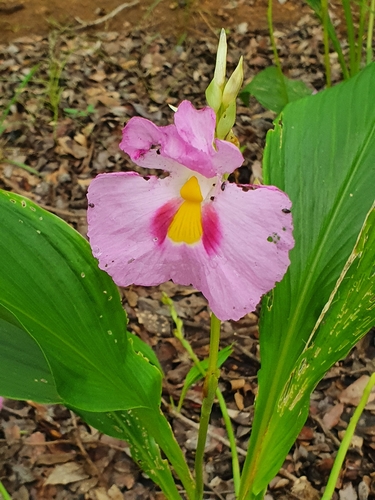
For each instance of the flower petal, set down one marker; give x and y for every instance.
(228, 157)
(244, 252)
(256, 228)
(142, 141)
(189, 142)
(246, 255)
(186, 154)
(196, 126)
(120, 218)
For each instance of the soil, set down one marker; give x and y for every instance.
(137, 63)
(167, 17)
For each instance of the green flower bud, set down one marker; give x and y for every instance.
(226, 121)
(221, 61)
(233, 85)
(213, 96)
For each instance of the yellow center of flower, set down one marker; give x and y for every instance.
(186, 226)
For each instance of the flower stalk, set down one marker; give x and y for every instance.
(209, 391)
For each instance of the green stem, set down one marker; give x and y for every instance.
(339, 460)
(370, 29)
(179, 334)
(232, 441)
(361, 30)
(336, 45)
(325, 18)
(209, 391)
(351, 39)
(226, 418)
(21, 165)
(275, 53)
(4, 493)
(332, 35)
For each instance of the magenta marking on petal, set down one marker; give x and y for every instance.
(162, 220)
(211, 229)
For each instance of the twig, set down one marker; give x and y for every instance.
(103, 19)
(194, 425)
(326, 431)
(288, 475)
(16, 189)
(206, 21)
(9, 9)
(247, 353)
(213, 491)
(78, 443)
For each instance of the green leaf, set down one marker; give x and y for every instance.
(141, 347)
(51, 283)
(267, 88)
(127, 425)
(71, 111)
(322, 154)
(24, 371)
(348, 314)
(195, 374)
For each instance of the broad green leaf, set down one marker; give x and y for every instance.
(195, 373)
(158, 427)
(143, 348)
(322, 154)
(126, 425)
(348, 314)
(51, 283)
(24, 371)
(269, 90)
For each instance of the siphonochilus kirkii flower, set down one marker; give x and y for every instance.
(193, 227)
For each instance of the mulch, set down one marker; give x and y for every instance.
(94, 83)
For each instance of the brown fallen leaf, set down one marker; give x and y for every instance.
(332, 417)
(306, 434)
(66, 473)
(99, 76)
(114, 493)
(237, 384)
(353, 393)
(55, 458)
(66, 145)
(239, 400)
(302, 489)
(348, 492)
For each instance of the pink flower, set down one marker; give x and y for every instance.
(230, 242)
(1, 402)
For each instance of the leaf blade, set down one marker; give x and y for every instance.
(24, 371)
(83, 336)
(266, 87)
(320, 153)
